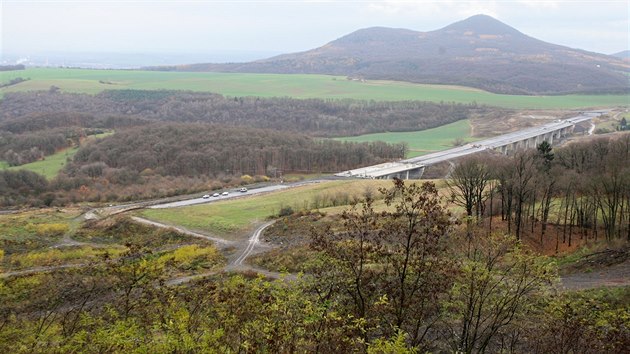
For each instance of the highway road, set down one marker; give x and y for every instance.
(377, 170)
(392, 168)
(232, 194)
(500, 140)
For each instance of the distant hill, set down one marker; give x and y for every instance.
(478, 52)
(623, 55)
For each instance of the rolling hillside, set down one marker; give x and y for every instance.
(479, 52)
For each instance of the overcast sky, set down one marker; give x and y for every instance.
(206, 26)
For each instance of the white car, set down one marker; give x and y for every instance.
(224, 193)
(243, 190)
(206, 196)
(215, 195)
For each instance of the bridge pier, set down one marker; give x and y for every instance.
(531, 142)
(415, 173)
(548, 138)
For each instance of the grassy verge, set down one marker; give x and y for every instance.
(424, 141)
(232, 218)
(62, 256)
(280, 85)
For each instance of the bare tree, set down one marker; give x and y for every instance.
(468, 184)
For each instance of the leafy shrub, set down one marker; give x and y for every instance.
(247, 179)
(194, 257)
(286, 211)
(54, 229)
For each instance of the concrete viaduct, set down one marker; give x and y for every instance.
(508, 143)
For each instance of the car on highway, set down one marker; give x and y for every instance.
(206, 196)
(243, 190)
(215, 195)
(224, 193)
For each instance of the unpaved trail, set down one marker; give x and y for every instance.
(611, 276)
(235, 265)
(222, 243)
(251, 244)
(254, 242)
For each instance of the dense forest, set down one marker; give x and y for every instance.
(21, 112)
(162, 159)
(21, 148)
(405, 276)
(201, 149)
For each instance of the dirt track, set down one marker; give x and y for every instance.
(614, 275)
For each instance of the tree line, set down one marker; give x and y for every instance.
(580, 190)
(19, 149)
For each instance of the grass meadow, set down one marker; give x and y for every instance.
(93, 81)
(236, 216)
(424, 141)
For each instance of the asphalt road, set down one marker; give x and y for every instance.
(232, 194)
(478, 146)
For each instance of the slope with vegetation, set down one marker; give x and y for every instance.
(405, 279)
(170, 142)
(478, 52)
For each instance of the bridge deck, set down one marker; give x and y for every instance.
(393, 168)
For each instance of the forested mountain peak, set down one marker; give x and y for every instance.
(479, 51)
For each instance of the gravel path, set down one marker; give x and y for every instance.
(614, 275)
(236, 264)
(222, 243)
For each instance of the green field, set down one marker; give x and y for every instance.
(51, 165)
(298, 86)
(424, 141)
(48, 167)
(236, 216)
